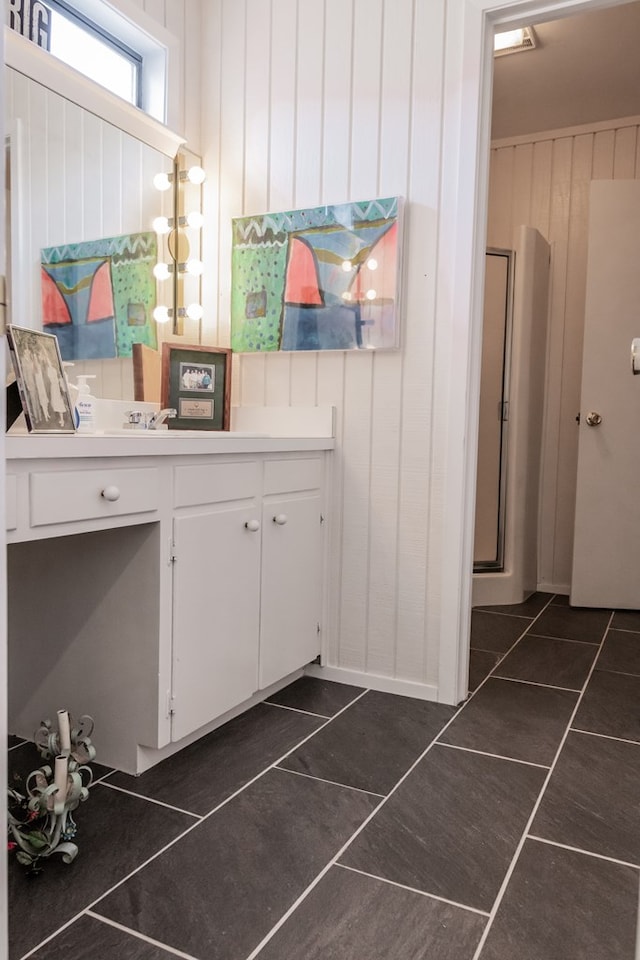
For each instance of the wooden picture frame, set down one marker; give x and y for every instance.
(43, 388)
(196, 383)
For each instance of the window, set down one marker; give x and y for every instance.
(95, 53)
(113, 43)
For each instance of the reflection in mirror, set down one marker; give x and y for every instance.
(73, 177)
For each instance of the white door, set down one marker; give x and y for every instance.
(606, 554)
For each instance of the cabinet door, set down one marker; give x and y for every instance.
(215, 615)
(291, 585)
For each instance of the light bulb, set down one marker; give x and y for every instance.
(161, 225)
(195, 219)
(347, 265)
(162, 181)
(161, 271)
(194, 267)
(372, 263)
(161, 314)
(195, 174)
(195, 311)
(371, 294)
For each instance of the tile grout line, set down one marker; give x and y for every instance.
(534, 683)
(497, 756)
(159, 803)
(334, 783)
(604, 736)
(139, 936)
(306, 713)
(294, 906)
(510, 870)
(193, 826)
(501, 657)
(586, 853)
(422, 893)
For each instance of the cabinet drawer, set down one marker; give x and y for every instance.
(216, 483)
(289, 476)
(11, 501)
(67, 496)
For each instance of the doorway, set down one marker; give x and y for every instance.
(462, 237)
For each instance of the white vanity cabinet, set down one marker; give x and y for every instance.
(247, 559)
(158, 584)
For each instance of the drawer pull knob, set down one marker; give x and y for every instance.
(111, 493)
(280, 519)
(253, 525)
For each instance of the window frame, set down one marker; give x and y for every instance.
(100, 33)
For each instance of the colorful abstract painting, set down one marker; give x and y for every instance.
(325, 278)
(98, 296)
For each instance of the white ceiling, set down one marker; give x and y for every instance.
(584, 69)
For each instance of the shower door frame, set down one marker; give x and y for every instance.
(497, 565)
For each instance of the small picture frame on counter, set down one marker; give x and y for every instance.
(42, 385)
(196, 383)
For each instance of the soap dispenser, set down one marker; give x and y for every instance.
(85, 405)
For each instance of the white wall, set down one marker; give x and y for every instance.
(311, 103)
(182, 19)
(543, 181)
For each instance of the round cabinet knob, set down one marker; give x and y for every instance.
(594, 419)
(111, 493)
(280, 519)
(253, 525)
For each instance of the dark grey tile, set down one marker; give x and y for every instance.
(563, 905)
(496, 631)
(572, 623)
(318, 696)
(208, 771)
(242, 868)
(116, 833)
(626, 620)
(561, 663)
(561, 600)
(592, 800)
(481, 663)
(513, 720)
(13, 741)
(610, 706)
(439, 832)
(75, 942)
(373, 743)
(349, 915)
(620, 652)
(530, 607)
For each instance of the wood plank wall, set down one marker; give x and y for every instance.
(312, 103)
(544, 181)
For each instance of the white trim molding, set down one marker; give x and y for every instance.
(372, 681)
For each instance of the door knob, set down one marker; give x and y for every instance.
(253, 525)
(280, 519)
(593, 419)
(111, 493)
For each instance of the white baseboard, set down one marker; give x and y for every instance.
(372, 681)
(562, 588)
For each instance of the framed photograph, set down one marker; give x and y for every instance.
(41, 381)
(196, 382)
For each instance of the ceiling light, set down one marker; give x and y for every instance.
(513, 41)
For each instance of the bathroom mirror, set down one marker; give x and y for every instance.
(72, 177)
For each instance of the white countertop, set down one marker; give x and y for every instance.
(153, 444)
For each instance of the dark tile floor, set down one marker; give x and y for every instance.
(334, 822)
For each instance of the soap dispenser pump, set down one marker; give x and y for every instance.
(85, 405)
